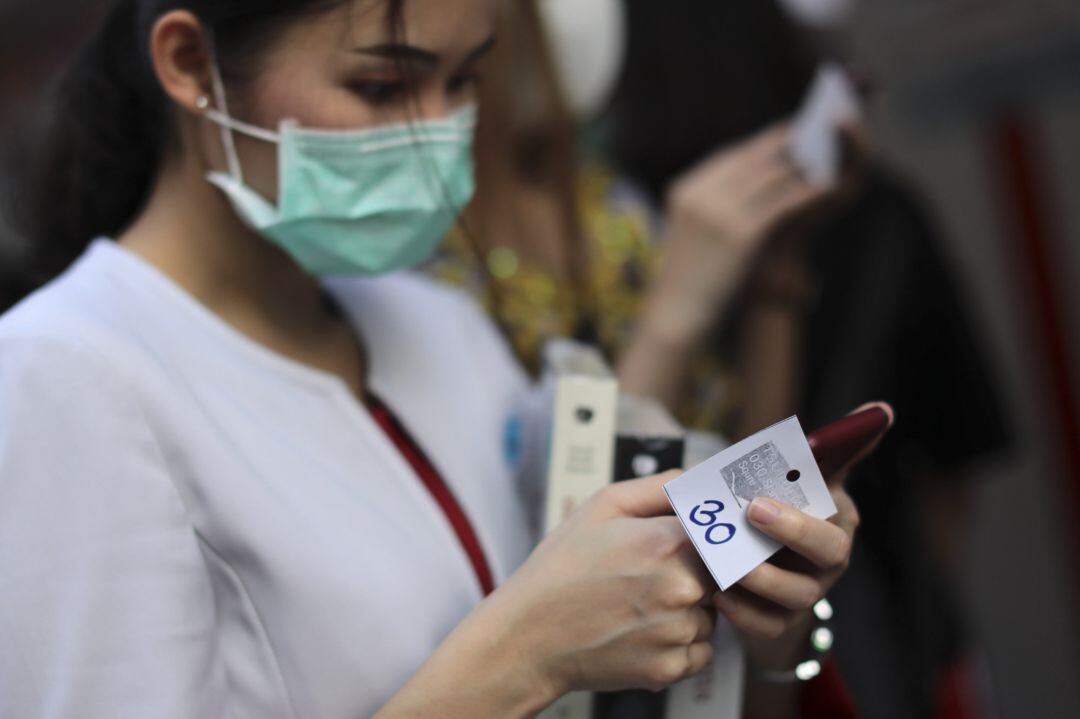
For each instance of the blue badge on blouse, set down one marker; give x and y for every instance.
(512, 442)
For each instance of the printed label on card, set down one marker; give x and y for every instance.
(711, 500)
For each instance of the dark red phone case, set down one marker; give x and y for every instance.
(840, 442)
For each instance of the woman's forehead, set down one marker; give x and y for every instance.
(442, 26)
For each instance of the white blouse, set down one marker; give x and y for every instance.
(192, 526)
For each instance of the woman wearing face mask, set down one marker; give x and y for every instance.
(233, 487)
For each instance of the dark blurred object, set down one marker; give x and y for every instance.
(839, 444)
(890, 324)
(36, 39)
(699, 75)
(13, 287)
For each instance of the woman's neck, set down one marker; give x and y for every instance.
(190, 233)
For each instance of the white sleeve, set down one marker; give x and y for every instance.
(106, 607)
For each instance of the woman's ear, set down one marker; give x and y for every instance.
(181, 52)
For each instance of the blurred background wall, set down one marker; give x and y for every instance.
(982, 108)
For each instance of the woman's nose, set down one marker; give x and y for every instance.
(434, 105)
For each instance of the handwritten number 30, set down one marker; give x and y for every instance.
(697, 512)
(711, 516)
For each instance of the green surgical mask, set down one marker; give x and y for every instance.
(363, 202)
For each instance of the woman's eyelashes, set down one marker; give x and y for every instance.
(391, 91)
(380, 91)
(464, 83)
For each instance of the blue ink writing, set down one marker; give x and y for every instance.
(704, 517)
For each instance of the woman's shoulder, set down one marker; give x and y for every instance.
(66, 385)
(77, 318)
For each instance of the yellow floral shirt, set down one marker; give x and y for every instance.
(532, 305)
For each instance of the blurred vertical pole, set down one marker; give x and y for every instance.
(1026, 202)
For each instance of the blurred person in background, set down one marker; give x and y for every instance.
(556, 245)
(867, 306)
(250, 465)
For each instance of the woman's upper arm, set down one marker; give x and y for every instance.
(106, 608)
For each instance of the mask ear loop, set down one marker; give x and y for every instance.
(228, 125)
(231, 156)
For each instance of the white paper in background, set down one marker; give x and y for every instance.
(711, 500)
(818, 13)
(815, 146)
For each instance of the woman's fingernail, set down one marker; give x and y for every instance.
(764, 511)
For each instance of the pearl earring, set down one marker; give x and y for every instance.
(202, 102)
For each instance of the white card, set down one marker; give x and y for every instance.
(815, 145)
(715, 693)
(711, 500)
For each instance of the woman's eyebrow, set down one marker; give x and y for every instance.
(482, 49)
(400, 52)
(403, 52)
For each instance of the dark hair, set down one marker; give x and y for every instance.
(700, 74)
(111, 123)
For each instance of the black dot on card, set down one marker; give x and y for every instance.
(794, 475)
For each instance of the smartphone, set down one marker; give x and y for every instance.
(839, 443)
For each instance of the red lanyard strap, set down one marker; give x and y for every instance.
(436, 485)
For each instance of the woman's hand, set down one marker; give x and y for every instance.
(772, 605)
(721, 218)
(615, 598)
(722, 214)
